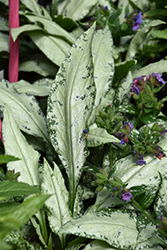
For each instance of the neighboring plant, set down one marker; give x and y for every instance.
(93, 140)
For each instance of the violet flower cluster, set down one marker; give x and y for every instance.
(135, 19)
(144, 90)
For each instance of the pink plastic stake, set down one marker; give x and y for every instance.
(1, 131)
(13, 66)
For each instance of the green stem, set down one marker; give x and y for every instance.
(137, 119)
(142, 210)
(43, 225)
(162, 232)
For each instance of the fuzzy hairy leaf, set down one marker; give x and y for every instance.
(51, 27)
(123, 90)
(136, 175)
(58, 203)
(4, 44)
(25, 110)
(16, 144)
(33, 6)
(116, 228)
(102, 47)
(98, 245)
(69, 105)
(103, 62)
(157, 67)
(55, 48)
(78, 9)
(98, 136)
(39, 88)
(38, 63)
(15, 32)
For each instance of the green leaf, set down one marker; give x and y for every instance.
(58, 204)
(135, 175)
(55, 48)
(128, 108)
(98, 136)
(123, 90)
(38, 63)
(25, 110)
(116, 228)
(156, 12)
(69, 106)
(33, 6)
(7, 158)
(103, 62)
(15, 32)
(122, 68)
(157, 67)
(14, 220)
(12, 188)
(78, 9)
(139, 38)
(98, 245)
(160, 33)
(38, 88)
(15, 144)
(5, 246)
(4, 44)
(161, 199)
(103, 70)
(51, 27)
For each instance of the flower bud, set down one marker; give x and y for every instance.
(102, 114)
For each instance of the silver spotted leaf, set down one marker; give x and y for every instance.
(25, 110)
(116, 228)
(69, 105)
(15, 144)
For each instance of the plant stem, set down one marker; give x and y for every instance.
(137, 119)
(142, 210)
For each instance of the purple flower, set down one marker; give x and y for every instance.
(139, 18)
(122, 141)
(85, 131)
(156, 79)
(138, 85)
(135, 26)
(126, 196)
(114, 188)
(138, 21)
(163, 133)
(130, 125)
(141, 162)
(159, 78)
(105, 7)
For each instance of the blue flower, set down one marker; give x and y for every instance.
(122, 141)
(156, 79)
(105, 7)
(85, 131)
(159, 77)
(126, 196)
(141, 162)
(138, 21)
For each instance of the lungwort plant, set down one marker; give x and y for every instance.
(84, 154)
